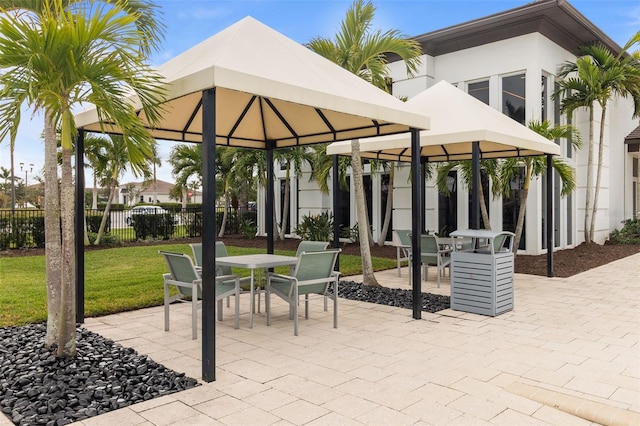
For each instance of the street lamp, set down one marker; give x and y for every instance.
(26, 179)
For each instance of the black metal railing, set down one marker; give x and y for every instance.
(25, 228)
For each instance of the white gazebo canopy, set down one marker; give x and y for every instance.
(268, 88)
(457, 120)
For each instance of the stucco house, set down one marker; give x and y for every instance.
(509, 61)
(143, 192)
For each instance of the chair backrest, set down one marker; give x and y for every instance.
(402, 237)
(181, 269)
(196, 249)
(428, 248)
(221, 251)
(316, 265)
(501, 240)
(311, 246)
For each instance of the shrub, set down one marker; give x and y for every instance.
(629, 234)
(94, 220)
(315, 227)
(155, 226)
(107, 239)
(247, 226)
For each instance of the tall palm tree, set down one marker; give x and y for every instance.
(186, 163)
(56, 55)
(490, 169)
(293, 157)
(114, 160)
(595, 77)
(536, 166)
(94, 147)
(363, 51)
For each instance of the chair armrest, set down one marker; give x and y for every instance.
(227, 277)
(282, 276)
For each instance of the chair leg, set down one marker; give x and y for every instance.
(398, 257)
(166, 307)
(220, 310)
(236, 322)
(306, 306)
(295, 309)
(194, 312)
(267, 300)
(335, 305)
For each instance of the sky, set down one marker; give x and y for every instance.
(189, 22)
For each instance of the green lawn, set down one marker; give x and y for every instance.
(117, 279)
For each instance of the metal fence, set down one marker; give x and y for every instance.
(25, 228)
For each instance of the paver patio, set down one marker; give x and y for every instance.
(571, 343)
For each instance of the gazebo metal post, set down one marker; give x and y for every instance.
(79, 227)
(336, 208)
(417, 191)
(549, 213)
(475, 181)
(423, 204)
(270, 196)
(208, 235)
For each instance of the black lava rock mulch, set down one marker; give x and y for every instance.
(391, 296)
(36, 388)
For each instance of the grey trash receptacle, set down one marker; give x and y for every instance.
(482, 276)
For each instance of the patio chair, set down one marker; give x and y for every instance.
(402, 241)
(185, 278)
(221, 251)
(309, 246)
(432, 254)
(313, 275)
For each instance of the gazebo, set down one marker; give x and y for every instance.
(250, 86)
(462, 128)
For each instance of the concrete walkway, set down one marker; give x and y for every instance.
(569, 354)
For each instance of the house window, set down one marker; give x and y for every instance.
(142, 198)
(635, 167)
(480, 91)
(513, 97)
(448, 206)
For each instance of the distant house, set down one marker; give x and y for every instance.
(144, 192)
(133, 193)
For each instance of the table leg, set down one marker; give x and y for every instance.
(251, 303)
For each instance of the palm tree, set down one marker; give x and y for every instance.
(596, 77)
(488, 166)
(292, 157)
(536, 166)
(94, 147)
(363, 52)
(186, 163)
(113, 162)
(55, 56)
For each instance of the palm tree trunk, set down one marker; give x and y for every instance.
(94, 193)
(285, 207)
(53, 252)
(67, 320)
(598, 174)
(105, 214)
(388, 211)
(587, 203)
(483, 207)
(368, 278)
(225, 214)
(523, 206)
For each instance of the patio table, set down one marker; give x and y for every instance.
(253, 262)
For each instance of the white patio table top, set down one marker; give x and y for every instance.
(253, 262)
